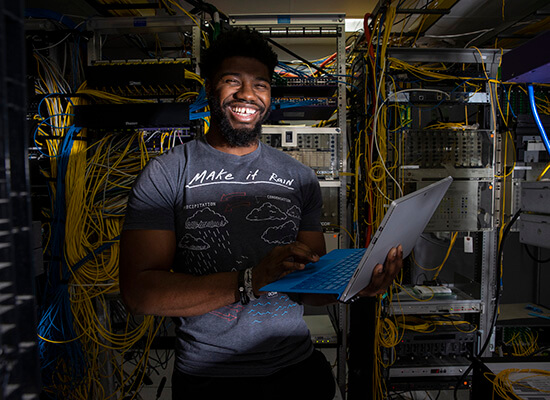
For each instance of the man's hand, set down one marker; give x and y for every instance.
(281, 261)
(383, 275)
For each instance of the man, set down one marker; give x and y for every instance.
(228, 215)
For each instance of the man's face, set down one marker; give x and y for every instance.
(240, 99)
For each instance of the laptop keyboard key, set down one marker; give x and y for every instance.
(332, 278)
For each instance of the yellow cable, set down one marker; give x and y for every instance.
(544, 171)
(93, 218)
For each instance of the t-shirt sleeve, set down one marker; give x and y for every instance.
(313, 203)
(151, 202)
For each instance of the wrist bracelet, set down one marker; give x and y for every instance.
(248, 284)
(242, 288)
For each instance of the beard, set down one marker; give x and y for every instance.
(235, 137)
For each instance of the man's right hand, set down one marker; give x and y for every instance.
(281, 261)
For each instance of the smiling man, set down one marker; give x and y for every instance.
(239, 98)
(239, 94)
(212, 221)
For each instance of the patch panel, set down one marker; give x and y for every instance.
(439, 148)
(315, 147)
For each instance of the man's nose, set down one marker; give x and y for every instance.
(246, 92)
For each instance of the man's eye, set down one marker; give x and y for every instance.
(232, 81)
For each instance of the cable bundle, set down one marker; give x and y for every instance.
(82, 353)
(504, 381)
(523, 342)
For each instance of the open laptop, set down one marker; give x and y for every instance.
(345, 272)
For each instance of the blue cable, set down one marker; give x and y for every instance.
(347, 84)
(55, 115)
(290, 104)
(97, 251)
(53, 15)
(200, 102)
(38, 127)
(50, 95)
(199, 115)
(57, 320)
(508, 101)
(533, 104)
(292, 69)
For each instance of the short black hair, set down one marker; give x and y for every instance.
(242, 42)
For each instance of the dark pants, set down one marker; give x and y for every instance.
(309, 379)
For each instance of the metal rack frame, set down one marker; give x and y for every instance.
(487, 259)
(158, 24)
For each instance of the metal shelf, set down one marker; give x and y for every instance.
(462, 303)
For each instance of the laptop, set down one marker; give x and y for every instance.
(345, 272)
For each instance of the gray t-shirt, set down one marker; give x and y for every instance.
(228, 212)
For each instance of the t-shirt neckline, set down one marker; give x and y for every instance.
(233, 158)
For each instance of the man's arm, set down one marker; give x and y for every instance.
(149, 287)
(383, 275)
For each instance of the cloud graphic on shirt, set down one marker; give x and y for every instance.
(205, 219)
(283, 234)
(267, 212)
(190, 242)
(293, 212)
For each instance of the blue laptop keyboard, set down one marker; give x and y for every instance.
(332, 277)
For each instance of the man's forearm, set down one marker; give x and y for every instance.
(164, 293)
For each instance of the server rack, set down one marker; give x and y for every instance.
(473, 155)
(106, 362)
(434, 112)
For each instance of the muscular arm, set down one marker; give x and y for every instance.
(149, 287)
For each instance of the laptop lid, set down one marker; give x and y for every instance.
(402, 224)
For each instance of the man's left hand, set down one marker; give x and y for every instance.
(383, 275)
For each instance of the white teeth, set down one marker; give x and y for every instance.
(243, 110)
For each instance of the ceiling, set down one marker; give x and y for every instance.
(433, 23)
